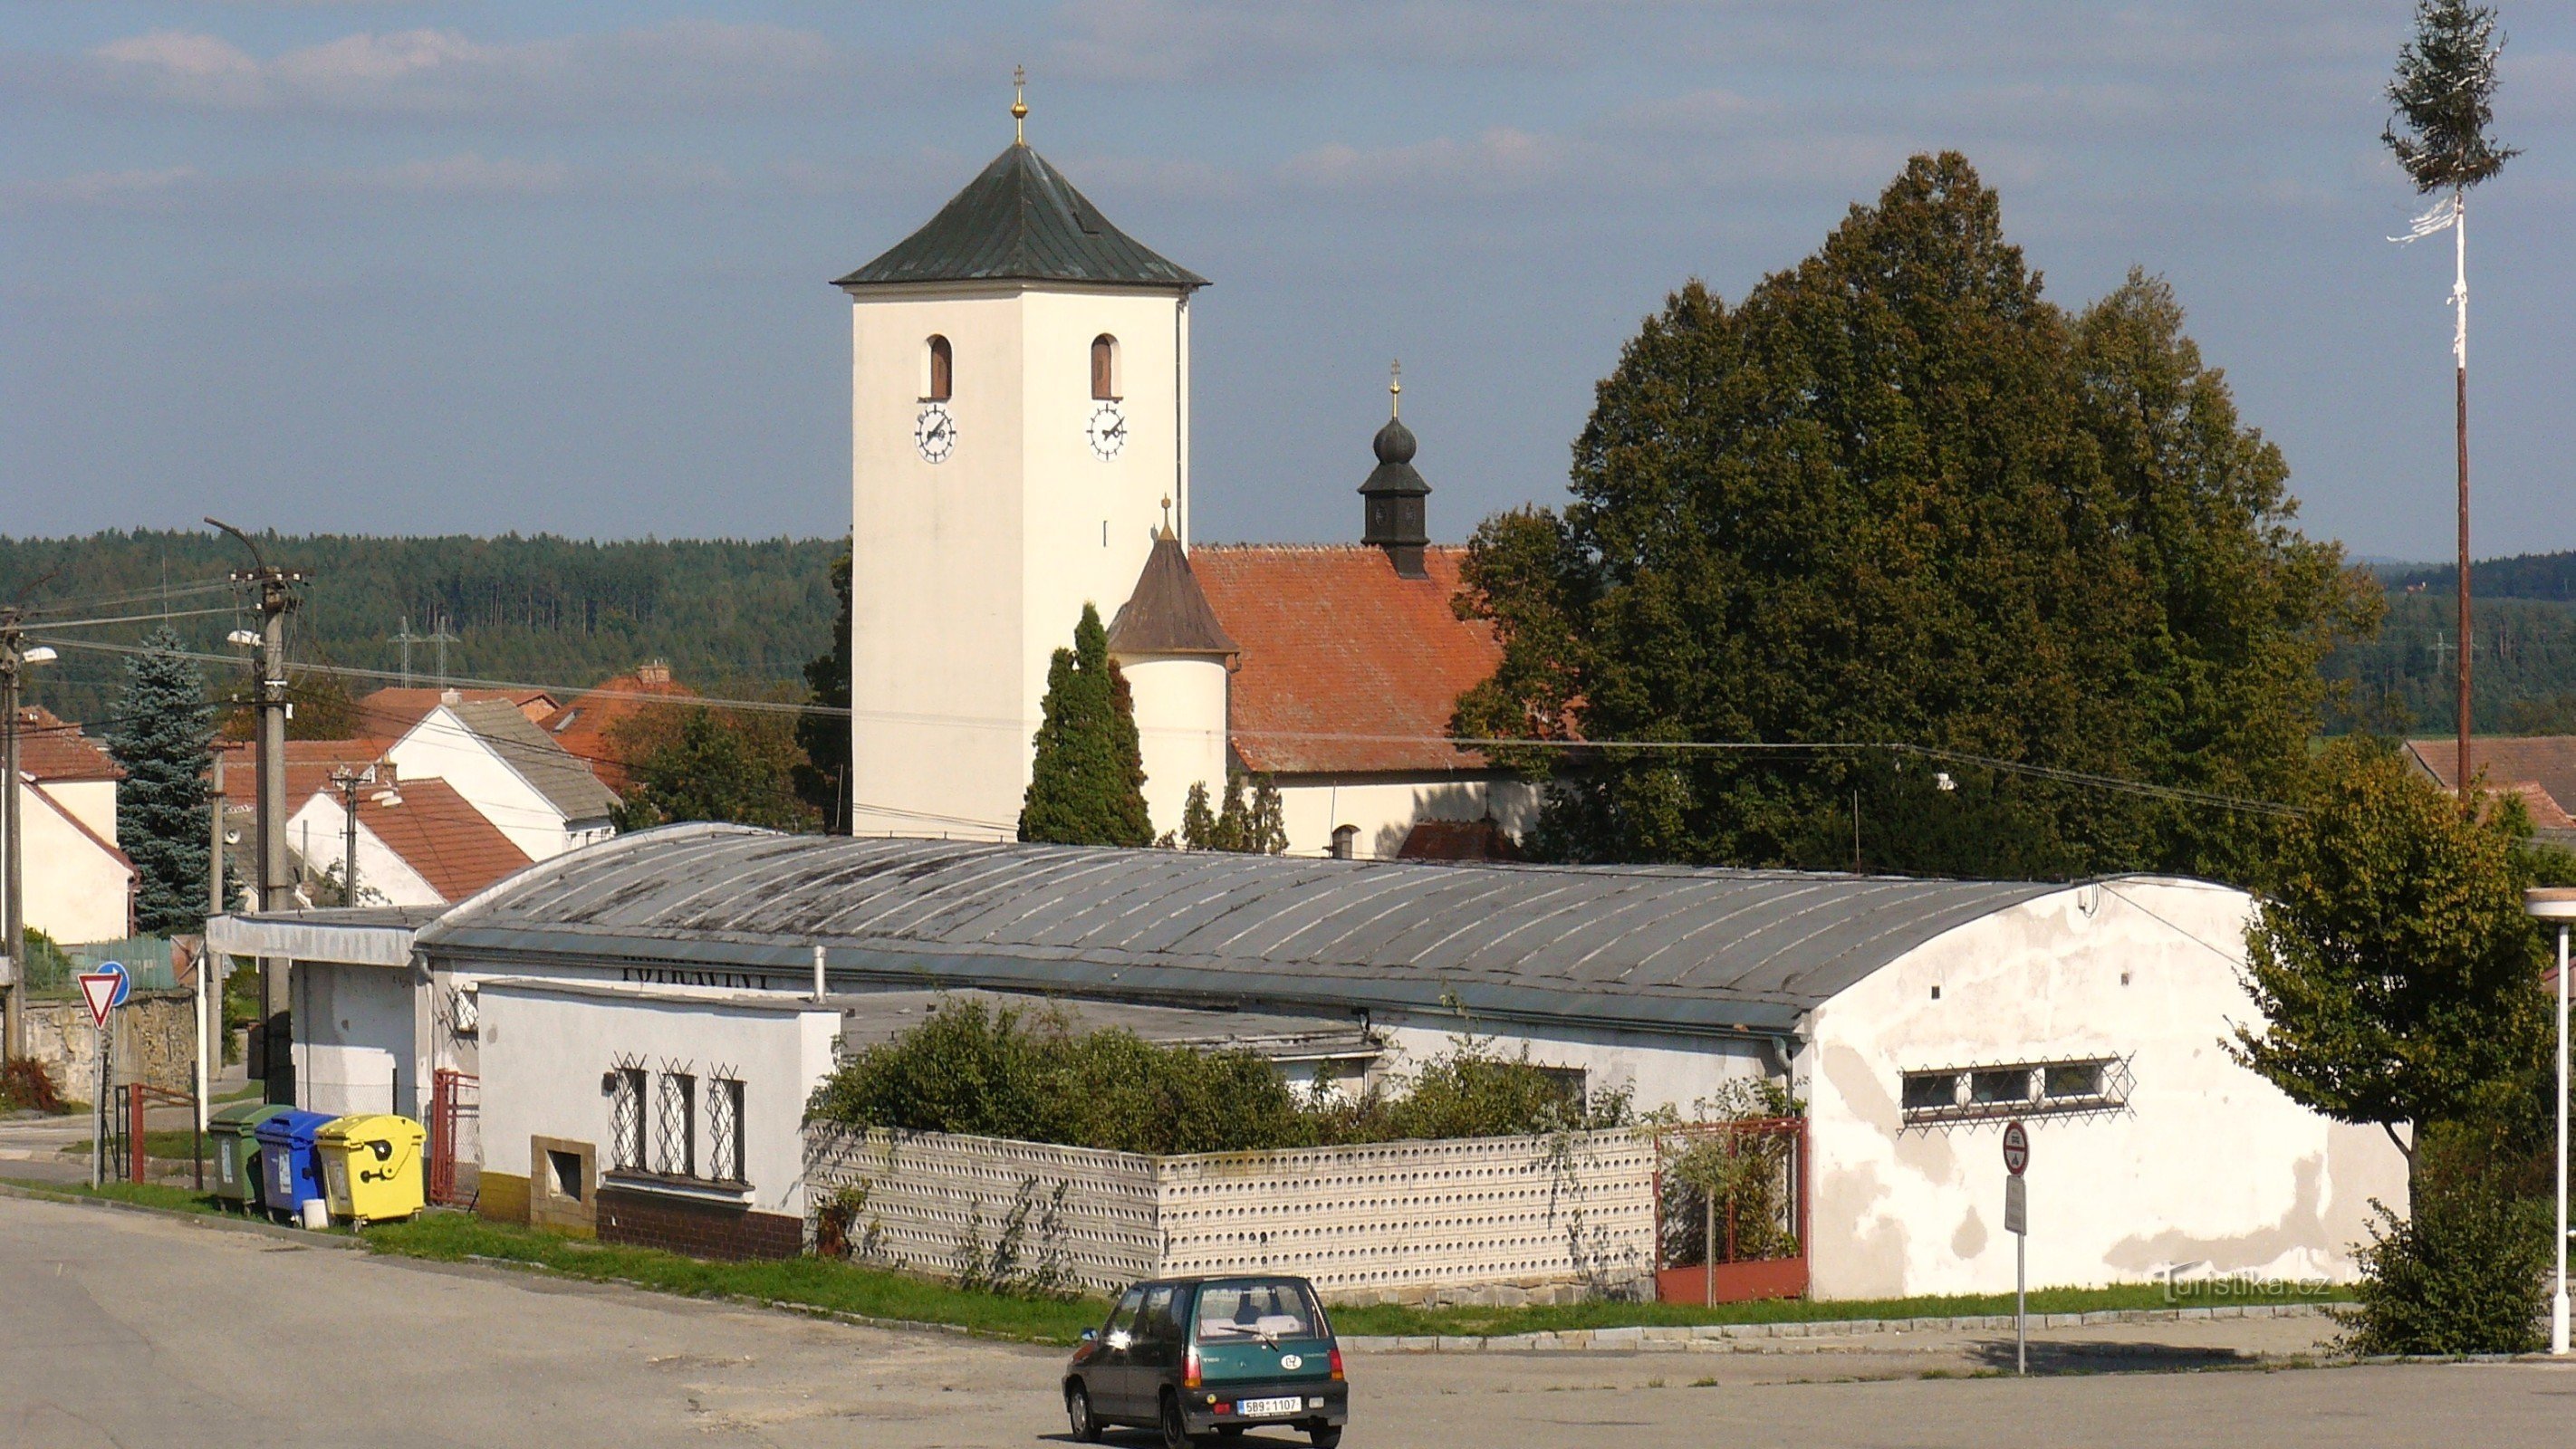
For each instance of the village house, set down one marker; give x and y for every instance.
(78, 884)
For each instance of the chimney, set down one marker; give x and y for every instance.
(653, 673)
(1394, 493)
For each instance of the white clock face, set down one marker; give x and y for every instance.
(1108, 430)
(935, 432)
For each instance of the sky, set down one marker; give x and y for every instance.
(372, 266)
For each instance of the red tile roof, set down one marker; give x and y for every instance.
(1336, 644)
(2545, 764)
(438, 834)
(309, 764)
(50, 748)
(582, 726)
(392, 712)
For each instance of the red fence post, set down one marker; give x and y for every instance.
(134, 1135)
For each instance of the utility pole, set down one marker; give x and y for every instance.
(277, 589)
(349, 782)
(405, 640)
(439, 639)
(210, 971)
(13, 1011)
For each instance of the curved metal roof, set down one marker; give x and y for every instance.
(1723, 950)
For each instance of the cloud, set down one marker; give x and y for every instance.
(1502, 159)
(140, 190)
(432, 72)
(1129, 40)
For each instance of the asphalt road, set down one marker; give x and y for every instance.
(135, 1330)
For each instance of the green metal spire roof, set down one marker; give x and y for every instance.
(1022, 221)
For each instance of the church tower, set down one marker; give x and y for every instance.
(1019, 413)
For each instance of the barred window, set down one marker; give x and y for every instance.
(626, 1119)
(724, 1130)
(1983, 1093)
(676, 1144)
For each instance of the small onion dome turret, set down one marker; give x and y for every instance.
(1394, 494)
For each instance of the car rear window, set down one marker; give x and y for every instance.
(1256, 1309)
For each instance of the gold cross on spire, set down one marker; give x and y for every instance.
(1019, 105)
(1395, 388)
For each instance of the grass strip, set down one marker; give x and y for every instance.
(171, 1142)
(800, 1282)
(143, 1194)
(1397, 1320)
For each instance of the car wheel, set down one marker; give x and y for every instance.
(1176, 1430)
(1325, 1436)
(1077, 1410)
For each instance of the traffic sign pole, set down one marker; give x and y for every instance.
(104, 989)
(2017, 1223)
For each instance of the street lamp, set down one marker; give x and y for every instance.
(2558, 904)
(15, 656)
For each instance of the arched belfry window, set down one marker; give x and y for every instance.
(1104, 366)
(938, 368)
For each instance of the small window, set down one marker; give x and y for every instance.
(566, 1167)
(2074, 1079)
(677, 1140)
(626, 1119)
(1104, 366)
(724, 1130)
(939, 369)
(1931, 1091)
(2006, 1084)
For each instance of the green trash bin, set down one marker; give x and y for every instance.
(234, 1133)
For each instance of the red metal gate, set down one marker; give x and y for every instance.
(1708, 1251)
(454, 1096)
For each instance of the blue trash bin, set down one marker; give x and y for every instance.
(290, 1165)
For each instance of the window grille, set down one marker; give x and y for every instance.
(2019, 1089)
(626, 1119)
(724, 1129)
(676, 1142)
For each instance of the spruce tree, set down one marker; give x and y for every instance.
(1087, 784)
(163, 735)
(1259, 828)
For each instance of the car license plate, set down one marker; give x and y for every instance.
(1259, 1408)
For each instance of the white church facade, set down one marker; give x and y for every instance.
(1020, 447)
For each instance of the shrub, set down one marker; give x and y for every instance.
(1006, 1071)
(24, 1084)
(2462, 1275)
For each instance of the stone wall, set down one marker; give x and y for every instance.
(155, 1035)
(1398, 1221)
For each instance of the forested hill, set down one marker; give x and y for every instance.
(2525, 622)
(2524, 576)
(542, 610)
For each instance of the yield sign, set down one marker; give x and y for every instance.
(98, 988)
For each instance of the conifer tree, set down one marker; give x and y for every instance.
(163, 735)
(1087, 784)
(1255, 828)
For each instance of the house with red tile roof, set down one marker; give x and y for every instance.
(2538, 769)
(583, 726)
(78, 885)
(418, 843)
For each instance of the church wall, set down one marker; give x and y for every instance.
(938, 734)
(1180, 722)
(1386, 807)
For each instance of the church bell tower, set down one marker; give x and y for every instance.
(1019, 412)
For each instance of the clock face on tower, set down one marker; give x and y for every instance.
(1107, 430)
(935, 432)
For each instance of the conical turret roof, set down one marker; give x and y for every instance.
(1022, 221)
(1168, 614)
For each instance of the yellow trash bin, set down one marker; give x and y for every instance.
(371, 1167)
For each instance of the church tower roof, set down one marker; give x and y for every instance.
(1394, 513)
(1168, 613)
(1022, 221)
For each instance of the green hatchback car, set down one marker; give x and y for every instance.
(1193, 1357)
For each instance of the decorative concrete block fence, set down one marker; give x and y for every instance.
(1398, 1221)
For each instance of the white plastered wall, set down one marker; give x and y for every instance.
(356, 1038)
(440, 747)
(91, 802)
(315, 832)
(74, 889)
(1656, 1069)
(1385, 807)
(969, 573)
(1180, 725)
(544, 1052)
(2209, 1167)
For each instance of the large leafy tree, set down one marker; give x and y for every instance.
(163, 736)
(2396, 974)
(1897, 497)
(696, 762)
(1087, 782)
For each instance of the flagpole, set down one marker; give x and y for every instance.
(2460, 410)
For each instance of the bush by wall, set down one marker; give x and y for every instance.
(2462, 1275)
(1025, 1073)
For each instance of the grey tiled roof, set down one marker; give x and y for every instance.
(1633, 946)
(564, 780)
(1021, 221)
(1168, 613)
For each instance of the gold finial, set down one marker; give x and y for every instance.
(1019, 105)
(1167, 517)
(1395, 388)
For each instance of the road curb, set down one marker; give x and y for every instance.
(1729, 1337)
(218, 1221)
